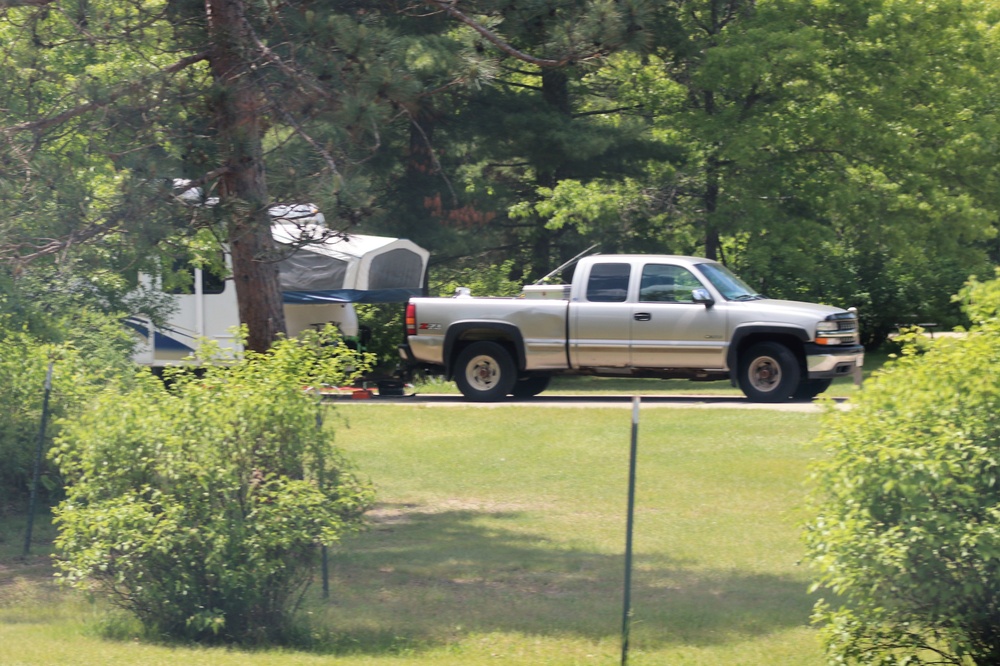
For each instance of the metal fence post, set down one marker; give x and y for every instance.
(627, 606)
(39, 450)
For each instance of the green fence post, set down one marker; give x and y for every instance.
(627, 606)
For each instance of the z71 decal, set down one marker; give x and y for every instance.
(424, 326)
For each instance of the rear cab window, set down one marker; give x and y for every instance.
(608, 283)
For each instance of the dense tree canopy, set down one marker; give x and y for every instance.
(844, 153)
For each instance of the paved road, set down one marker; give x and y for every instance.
(649, 401)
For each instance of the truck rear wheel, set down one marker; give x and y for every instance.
(769, 372)
(485, 372)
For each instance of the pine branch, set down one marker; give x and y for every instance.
(59, 245)
(448, 7)
(4, 4)
(53, 121)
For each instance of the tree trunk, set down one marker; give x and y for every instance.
(713, 241)
(243, 192)
(556, 95)
(711, 195)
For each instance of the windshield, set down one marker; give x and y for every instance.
(730, 286)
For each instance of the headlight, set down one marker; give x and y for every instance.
(828, 333)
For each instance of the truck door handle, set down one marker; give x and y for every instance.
(642, 316)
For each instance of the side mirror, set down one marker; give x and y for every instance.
(702, 296)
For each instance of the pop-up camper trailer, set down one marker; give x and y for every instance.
(320, 281)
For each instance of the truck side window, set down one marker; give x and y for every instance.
(608, 283)
(662, 283)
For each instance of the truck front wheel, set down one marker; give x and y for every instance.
(485, 372)
(529, 387)
(810, 388)
(769, 372)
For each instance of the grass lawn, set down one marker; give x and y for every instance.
(499, 538)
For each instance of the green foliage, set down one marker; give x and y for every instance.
(485, 280)
(906, 531)
(198, 505)
(981, 300)
(829, 153)
(87, 350)
(385, 321)
(825, 152)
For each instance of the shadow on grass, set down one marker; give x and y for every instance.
(420, 579)
(585, 384)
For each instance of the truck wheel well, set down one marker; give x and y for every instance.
(471, 335)
(792, 342)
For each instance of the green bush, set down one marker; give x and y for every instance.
(906, 531)
(98, 354)
(385, 321)
(198, 505)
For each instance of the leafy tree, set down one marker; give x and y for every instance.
(906, 525)
(197, 506)
(537, 120)
(777, 135)
(108, 102)
(40, 323)
(828, 152)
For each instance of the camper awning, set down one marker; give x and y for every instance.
(349, 296)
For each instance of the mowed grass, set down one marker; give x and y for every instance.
(502, 531)
(499, 539)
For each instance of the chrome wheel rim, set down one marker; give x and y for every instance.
(764, 374)
(482, 373)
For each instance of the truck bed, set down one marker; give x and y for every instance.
(542, 324)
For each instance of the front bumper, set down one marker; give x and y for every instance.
(828, 362)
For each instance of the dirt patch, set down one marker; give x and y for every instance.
(37, 567)
(28, 580)
(390, 514)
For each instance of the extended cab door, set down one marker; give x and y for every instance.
(601, 318)
(670, 330)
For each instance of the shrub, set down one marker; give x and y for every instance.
(906, 530)
(198, 505)
(100, 353)
(385, 321)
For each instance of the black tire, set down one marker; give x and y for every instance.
(529, 387)
(810, 388)
(769, 372)
(485, 372)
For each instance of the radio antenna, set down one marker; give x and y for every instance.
(571, 261)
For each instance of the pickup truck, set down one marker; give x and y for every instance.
(655, 316)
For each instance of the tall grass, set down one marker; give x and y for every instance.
(499, 536)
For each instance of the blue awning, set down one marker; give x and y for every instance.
(350, 296)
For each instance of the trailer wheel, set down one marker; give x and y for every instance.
(485, 372)
(769, 372)
(529, 387)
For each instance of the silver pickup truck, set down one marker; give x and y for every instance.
(654, 316)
